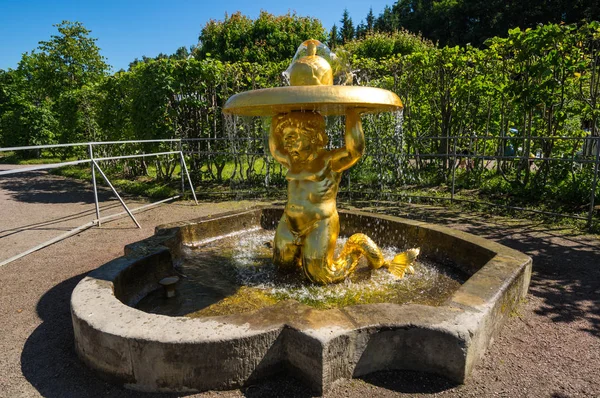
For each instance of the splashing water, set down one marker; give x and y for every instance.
(235, 274)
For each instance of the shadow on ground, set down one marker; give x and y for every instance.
(408, 382)
(50, 224)
(41, 187)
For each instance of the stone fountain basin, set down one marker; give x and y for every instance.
(151, 352)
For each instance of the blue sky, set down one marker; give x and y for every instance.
(129, 29)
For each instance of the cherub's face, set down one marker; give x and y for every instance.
(297, 143)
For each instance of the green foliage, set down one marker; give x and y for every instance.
(68, 61)
(370, 21)
(333, 38)
(588, 73)
(387, 21)
(458, 22)
(77, 115)
(361, 30)
(45, 157)
(24, 124)
(51, 96)
(113, 114)
(269, 38)
(384, 45)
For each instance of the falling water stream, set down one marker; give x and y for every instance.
(384, 163)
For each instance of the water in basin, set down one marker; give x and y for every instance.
(235, 273)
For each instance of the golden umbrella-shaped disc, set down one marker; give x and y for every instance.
(327, 100)
(311, 90)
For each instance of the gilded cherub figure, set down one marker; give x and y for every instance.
(307, 233)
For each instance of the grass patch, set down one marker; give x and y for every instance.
(15, 157)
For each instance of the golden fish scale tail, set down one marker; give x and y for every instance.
(358, 245)
(361, 245)
(403, 263)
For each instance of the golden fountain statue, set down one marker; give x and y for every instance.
(307, 233)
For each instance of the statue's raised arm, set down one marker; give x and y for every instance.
(276, 143)
(344, 158)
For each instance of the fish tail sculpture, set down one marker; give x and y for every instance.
(402, 263)
(359, 245)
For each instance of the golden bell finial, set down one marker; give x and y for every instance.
(312, 69)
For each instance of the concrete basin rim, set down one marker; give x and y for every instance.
(113, 317)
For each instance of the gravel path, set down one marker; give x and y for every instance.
(551, 348)
(26, 219)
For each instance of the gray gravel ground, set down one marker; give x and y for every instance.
(550, 348)
(26, 219)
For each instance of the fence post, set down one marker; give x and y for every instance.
(91, 151)
(594, 183)
(453, 167)
(181, 167)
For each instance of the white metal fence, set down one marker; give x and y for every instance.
(95, 166)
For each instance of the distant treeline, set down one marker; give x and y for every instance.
(459, 22)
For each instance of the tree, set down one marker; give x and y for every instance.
(387, 21)
(361, 30)
(67, 61)
(333, 37)
(269, 38)
(181, 53)
(589, 75)
(448, 23)
(458, 22)
(384, 45)
(23, 121)
(55, 89)
(370, 20)
(347, 30)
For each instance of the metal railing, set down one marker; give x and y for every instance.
(94, 161)
(454, 155)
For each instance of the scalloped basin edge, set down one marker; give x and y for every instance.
(151, 352)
